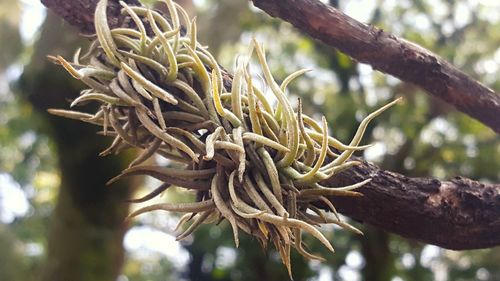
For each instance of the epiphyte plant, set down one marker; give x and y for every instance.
(257, 165)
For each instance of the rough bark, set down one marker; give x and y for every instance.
(81, 13)
(456, 214)
(390, 54)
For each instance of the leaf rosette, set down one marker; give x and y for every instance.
(255, 164)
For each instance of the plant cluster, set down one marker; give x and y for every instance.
(257, 165)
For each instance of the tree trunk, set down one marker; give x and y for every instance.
(87, 225)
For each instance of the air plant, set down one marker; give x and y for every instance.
(257, 165)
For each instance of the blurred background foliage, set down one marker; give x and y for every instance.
(59, 222)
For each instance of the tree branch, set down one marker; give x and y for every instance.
(390, 54)
(456, 214)
(80, 13)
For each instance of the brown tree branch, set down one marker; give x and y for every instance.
(456, 214)
(390, 54)
(80, 13)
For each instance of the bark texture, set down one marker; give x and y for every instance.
(456, 214)
(390, 54)
(80, 13)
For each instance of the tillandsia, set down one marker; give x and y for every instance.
(258, 165)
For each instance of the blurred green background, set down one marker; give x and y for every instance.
(58, 221)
